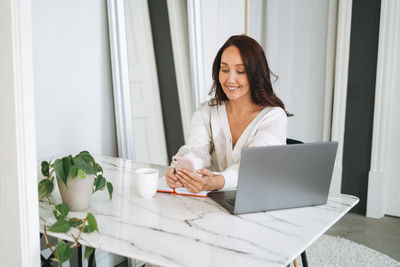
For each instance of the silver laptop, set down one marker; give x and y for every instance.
(281, 177)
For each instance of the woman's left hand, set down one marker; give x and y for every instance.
(202, 180)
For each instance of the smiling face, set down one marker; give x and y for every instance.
(232, 75)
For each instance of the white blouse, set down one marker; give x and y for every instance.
(210, 141)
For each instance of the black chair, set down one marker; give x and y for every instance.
(290, 141)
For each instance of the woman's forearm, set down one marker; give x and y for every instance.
(217, 182)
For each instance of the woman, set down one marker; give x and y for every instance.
(243, 112)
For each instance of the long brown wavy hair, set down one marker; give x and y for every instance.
(257, 70)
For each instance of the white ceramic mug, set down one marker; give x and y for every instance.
(146, 182)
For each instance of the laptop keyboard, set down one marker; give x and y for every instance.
(231, 201)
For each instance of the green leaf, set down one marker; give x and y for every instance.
(41, 191)
(86, 156)
(45, 188)
(73, 222)
(62, 168)
(98, 168)
(45, 168)
(85, 162)
(60, 211)
(110, 189)
(81, 174)
(88, 229)
(100, 182)
(74, 171)
(60, 226)
(92, 221)
(88, 251)
(63, 251)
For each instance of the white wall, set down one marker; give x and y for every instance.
(391, 171)
(218, 21)
(147, 119)
(18, 192)
(298, 38)
(72, 78)
(392, 205)
(384, 178)
(392, 194)
(178, 23)
(221, 19)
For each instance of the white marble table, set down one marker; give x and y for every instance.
(171, 230)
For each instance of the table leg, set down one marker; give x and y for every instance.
(304, 259)
(91, 259)
(46, 262)
(80, 256)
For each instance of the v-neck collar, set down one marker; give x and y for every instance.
(227, 129)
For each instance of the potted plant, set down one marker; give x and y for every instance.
(77, 177)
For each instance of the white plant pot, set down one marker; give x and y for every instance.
(77, 195)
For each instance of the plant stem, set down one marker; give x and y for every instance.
(51, 203)
(77, 244)
(48, 244)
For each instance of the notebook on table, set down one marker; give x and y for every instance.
(164, 188)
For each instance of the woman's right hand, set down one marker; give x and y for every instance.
(172, 180)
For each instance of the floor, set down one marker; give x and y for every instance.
(382, 235)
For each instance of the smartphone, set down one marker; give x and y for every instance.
(182, 163)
